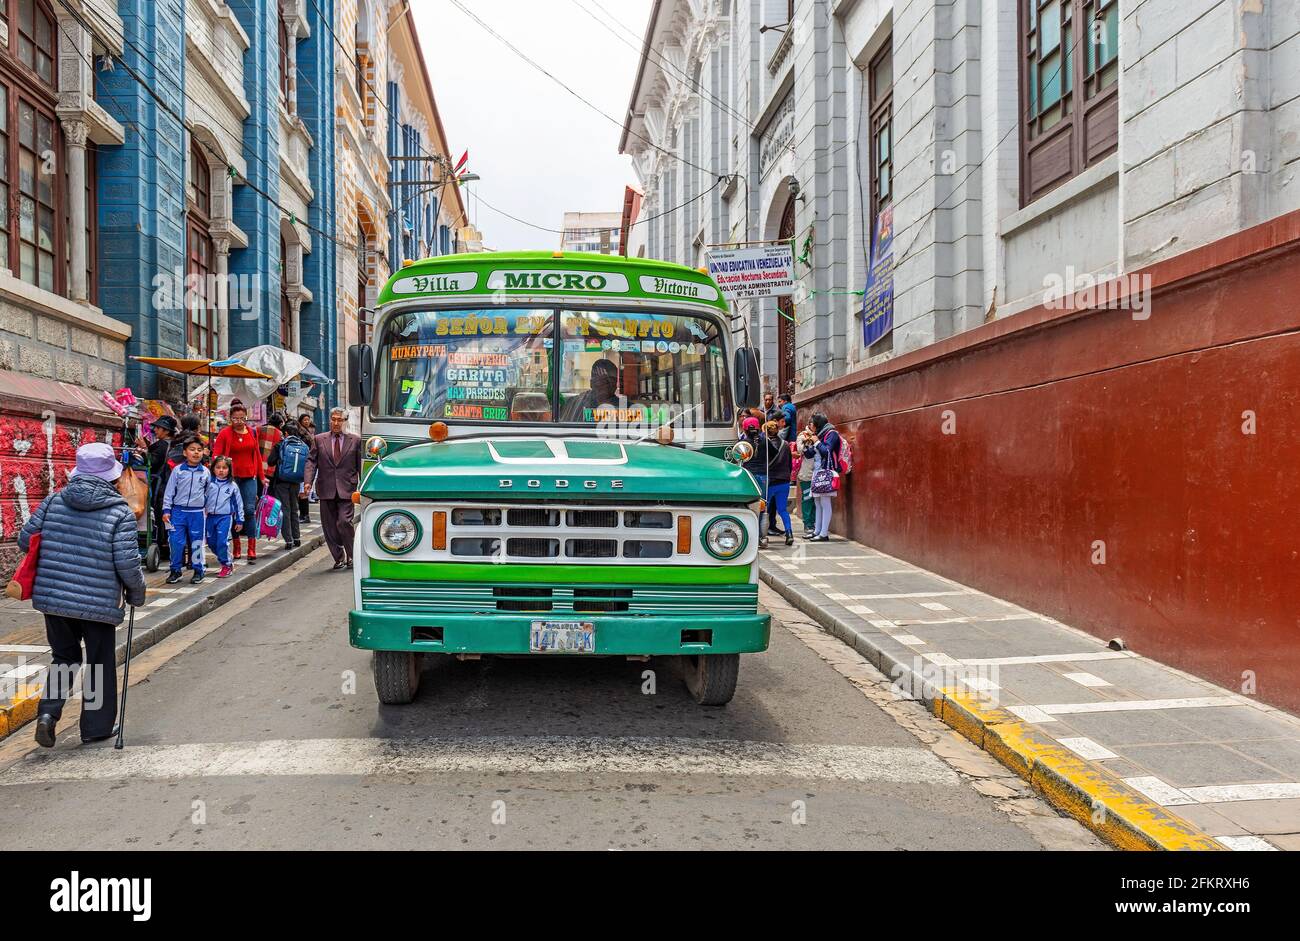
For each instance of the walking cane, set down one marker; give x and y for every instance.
(126, 678)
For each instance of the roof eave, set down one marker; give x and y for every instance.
(640, 74)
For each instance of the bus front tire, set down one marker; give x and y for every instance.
(711, 678)
(397, 676)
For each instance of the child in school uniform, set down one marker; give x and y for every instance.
(225, 509)
(183, 506)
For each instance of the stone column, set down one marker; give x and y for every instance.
(294, 342)
(221, 247)
(76, 133)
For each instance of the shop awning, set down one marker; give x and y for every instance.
(34, 395)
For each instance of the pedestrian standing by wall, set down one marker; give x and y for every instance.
(89, 559)
(225, 513)
(159, 470)
(238, 442)
(287, 467)
(827, 456)
(786, 406)
(778, 484)
(184, 505)
(335, 471)
(807, 509)
(308, 426)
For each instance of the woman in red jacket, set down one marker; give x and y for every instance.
(238, 441)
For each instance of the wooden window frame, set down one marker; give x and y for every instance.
(283, 35)
(1088, 130)
(881, 115)
(24, 84)
(286, 309)
(200, 258)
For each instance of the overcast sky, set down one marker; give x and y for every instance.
(541, 152)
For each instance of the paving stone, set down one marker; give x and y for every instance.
(1279, 816)
(1209, 820)
(1285, 841)
(1283, 755)
(1149, 680)
(1192, 764)
(1233, 723)
(1114, 729)
(980, 605)
(1040, 683)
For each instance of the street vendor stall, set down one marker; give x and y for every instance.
(282, 373)
(210, 369)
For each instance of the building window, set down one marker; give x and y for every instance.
(284, 59)
(880, 79)
(1069, 89)
(33, 181)
(200, 294)
(35, 45)
(286, 310)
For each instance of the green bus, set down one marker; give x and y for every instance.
(552, 469)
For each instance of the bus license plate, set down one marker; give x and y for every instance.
(562, 637)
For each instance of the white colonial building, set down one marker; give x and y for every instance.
(1019, 143)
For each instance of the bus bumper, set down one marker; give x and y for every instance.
(422, 632)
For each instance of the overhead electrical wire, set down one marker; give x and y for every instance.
(606, 115)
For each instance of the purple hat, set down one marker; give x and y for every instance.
(97, 460)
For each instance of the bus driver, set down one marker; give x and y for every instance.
(603, 392)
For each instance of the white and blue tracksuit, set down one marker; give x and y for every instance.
(225, 507)
(185, 498)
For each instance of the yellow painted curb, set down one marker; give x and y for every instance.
(20, 711)
(1080, 788)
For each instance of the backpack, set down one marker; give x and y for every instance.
(846, 456)
(269, 517)
(293, 460)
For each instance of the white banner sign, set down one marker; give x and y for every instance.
(759, 271)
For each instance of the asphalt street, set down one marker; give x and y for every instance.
(258, 728)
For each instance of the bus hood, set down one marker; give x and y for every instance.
(574, 469)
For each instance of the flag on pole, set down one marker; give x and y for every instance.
(464, 159)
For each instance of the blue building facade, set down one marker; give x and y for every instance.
(160, 221)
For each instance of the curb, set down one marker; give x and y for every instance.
(1077, 787)
(23, 708)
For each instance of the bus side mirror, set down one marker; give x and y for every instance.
(361, 374)
(747, 378)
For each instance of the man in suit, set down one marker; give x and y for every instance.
(334, 467)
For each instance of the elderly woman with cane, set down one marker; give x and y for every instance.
(88, 558)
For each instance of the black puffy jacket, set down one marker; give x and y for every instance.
(89, 554)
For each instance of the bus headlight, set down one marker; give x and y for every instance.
(725, 537)
(376, 447)
(397, 531)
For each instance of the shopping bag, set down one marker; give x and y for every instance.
(134, 490)
(20, 586)
(269, 517)
(825, 481)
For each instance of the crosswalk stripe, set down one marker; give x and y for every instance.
(489, 755)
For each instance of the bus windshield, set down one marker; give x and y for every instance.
(640, 367)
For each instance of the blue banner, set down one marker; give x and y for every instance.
(878, 299)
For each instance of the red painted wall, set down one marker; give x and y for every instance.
(1072, 428)
(28, 458)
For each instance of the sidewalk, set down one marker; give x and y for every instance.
(24, 654)
(1027, 688)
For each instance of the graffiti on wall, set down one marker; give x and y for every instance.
(36, 455)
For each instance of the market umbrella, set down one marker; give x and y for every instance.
(278, 365)
(226, 368)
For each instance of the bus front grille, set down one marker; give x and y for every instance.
(559, 601)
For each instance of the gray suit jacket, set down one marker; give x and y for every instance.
(334, 481)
